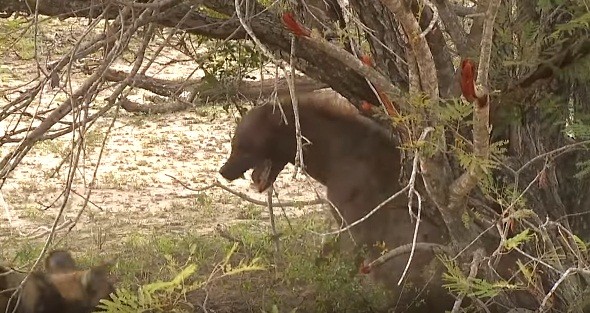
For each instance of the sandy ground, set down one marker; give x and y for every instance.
(132, 193)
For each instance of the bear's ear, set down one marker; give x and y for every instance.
(275, 114)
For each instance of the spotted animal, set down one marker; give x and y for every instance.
(62, 287)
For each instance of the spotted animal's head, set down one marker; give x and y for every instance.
(63, 287)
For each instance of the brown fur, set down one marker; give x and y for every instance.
(359, 163)
(62, 288)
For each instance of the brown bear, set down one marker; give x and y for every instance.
(358, 160)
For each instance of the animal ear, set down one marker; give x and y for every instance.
(94, 276)
(60, 261)
(274, 115)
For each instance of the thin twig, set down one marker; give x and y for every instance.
(299, 164)
(414, 238)
(275, 237)
(364, 218)
(409, 186)
(291, 203)
(568, 272)
(549, 153)
(47, 230)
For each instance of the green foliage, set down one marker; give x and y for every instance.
(548, 4)
(518, 239)
(53, 146)
(152, 296)
(28, 252)
(246, 266)
(527, 273)
(231, 60)
(579, 129)
(15, 35)
(163, 296)
(459, 283)
(581, 22)
(584, 167)
(452, 112)
(470, 161)
(582, 246)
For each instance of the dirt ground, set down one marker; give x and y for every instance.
(133, 192)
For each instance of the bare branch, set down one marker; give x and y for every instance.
(453, 26)
(433, 21)
(408, 248)
(275, 236)
(409, 186)
(246, 197)
(422, 53)
(414, 238)
(12, 159)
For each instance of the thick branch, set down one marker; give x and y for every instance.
(475, 33)
(422, 53)
(445, 71)
(452, 26)
(316, 64)
(382, 82)
(134, 107)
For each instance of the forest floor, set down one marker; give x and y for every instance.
(137, 199)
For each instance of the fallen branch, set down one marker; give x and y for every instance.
(250, 90)
(134, 107)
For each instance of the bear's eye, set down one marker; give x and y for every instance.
(248, 148)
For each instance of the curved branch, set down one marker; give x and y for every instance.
(382, 82)
(407, 248)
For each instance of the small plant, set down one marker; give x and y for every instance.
(55, 146)
(112, 180)
(251, 212)
(12, 37)
(166, 296)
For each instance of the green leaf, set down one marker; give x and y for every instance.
(515, 241)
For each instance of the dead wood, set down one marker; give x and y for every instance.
(134, 107)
